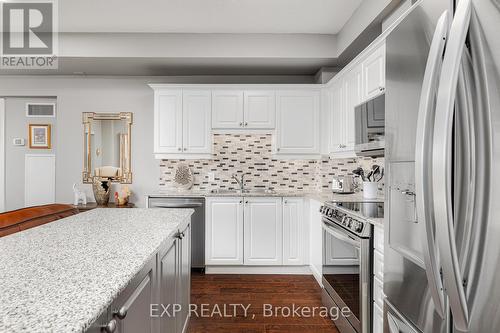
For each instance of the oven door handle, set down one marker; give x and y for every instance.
(341, 236)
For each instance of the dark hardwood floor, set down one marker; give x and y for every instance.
(210, 293)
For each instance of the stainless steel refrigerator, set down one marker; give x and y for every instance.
(442, 239)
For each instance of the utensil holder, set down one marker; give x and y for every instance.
(370, 190)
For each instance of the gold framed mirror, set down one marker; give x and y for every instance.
(107, 151)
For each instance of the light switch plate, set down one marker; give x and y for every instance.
(18, 142)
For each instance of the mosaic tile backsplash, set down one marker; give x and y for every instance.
(251, 154)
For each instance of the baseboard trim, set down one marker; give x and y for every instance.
(316, 275)
(297, 270)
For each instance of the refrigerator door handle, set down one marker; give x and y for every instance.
(423, 149)
(442, 165)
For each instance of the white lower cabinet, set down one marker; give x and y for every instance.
(255, 231)
(263, 231)
(224, 231)
(293, 231)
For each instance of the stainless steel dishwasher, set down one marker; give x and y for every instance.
(197, 222)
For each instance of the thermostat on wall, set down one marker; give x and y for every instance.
(18, 142)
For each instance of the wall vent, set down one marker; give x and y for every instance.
(40, 109)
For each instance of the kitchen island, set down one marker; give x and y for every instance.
(71, 275)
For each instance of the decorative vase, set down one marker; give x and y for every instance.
(101, 188)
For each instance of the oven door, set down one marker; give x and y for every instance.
(346, 274)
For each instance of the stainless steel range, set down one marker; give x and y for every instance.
(347, 263)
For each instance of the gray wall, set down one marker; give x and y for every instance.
(16, 126)
(102, 94)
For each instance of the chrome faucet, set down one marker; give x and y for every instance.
(240, 181)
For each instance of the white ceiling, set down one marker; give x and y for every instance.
(206, 16)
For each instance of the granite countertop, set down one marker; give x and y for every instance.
(60, 277)
(318, 196)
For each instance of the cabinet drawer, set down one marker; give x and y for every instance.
(378, 292)
(378, 319)
(378, 265)
(378, 239)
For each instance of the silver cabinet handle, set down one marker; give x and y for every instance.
(110, 327)
(241, 124)
(277, 149)
(246, 124)
(185, 149)
(120, 314)
(246, 202)
(286, 201)
(408, 192)
(381, 88)
(179, 149)
(241, 201)
(423, 150)
(442, 165)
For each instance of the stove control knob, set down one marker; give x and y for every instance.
(358, 226)
(331, 213)
(346, 221)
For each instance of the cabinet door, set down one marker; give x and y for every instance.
(337, 119)
(263, 231)
(132, 307)
(168, 121)
(293, 231)
(224, 231)
(259, 109)
(352, 98)
(339, 254)
(197, 113)
(184, 278)
(297, 127)
(168, 277)
(227, 109)
(374, 73)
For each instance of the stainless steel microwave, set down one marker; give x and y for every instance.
(370, 127)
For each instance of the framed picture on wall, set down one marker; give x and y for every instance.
(39, 136)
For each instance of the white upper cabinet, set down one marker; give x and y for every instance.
(197, 136)
(360, 82)
(337, 119)
(374, 73)
(352, 98)
(259, 109)
(297, 127)
(224, 231)
(249, 109)
(227, 109)
(293, 231)
(168, 121)
(263, 231)
(182, 123)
